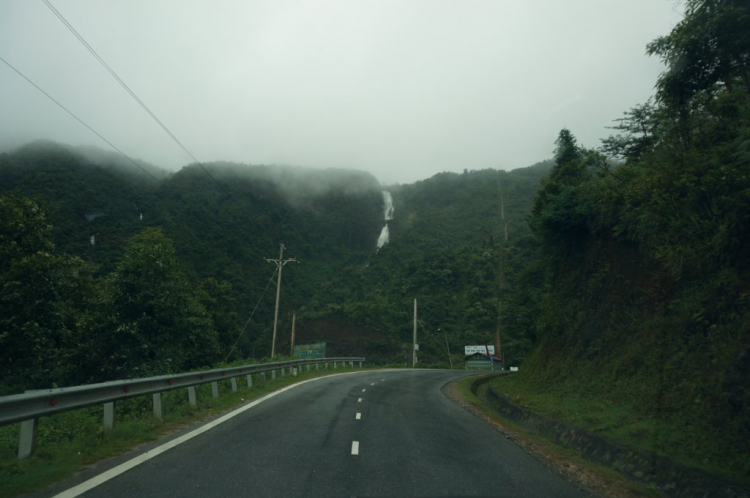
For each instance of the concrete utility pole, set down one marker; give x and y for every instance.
(280, 263)
(414, 340)
(294, 319)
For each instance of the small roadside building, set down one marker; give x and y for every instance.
(483, 361)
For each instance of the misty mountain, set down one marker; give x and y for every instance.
(297, 184)
(444, 251)
(114, 160)
(33, 155)
(225, 219)
(451, 210)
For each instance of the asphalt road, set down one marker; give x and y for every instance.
(373, 433)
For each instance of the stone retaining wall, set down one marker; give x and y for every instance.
(641, 466)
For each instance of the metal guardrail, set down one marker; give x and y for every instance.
(28, 407)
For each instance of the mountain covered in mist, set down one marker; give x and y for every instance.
(225, 219)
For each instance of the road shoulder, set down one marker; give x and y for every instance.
(592, 479)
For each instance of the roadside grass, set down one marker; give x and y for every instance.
(71, 441)
(629, 424)
(546, 446)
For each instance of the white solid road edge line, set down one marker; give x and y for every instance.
(125, 466)
(355, 447)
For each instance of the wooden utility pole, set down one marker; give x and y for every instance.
(414, 339)
(280, 263)
(447, 347)
(498, 335)
(294, 319)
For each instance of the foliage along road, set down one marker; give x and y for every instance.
(373, 433)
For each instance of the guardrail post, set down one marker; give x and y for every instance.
(273, 374)
(263, 375)
(294, 371)
(282, 371)
(192, 397)
(249, 380)
(334, 365)
(326, 366)
(317, 366)
(27, 441)
(215, 389)
(308, 367)
(351, 364)
(233, 380)
(109, 415)
(360, 364)
(157, 405)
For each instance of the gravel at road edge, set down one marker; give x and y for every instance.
(591, 482)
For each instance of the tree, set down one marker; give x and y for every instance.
(153, 323)
(559, 210)
(640, 133)
(218, 300)
(709, 49)
(41, 295)
(566, 150)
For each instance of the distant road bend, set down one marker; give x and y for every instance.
(372, 433)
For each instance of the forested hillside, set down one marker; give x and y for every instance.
(645, 268)
(443, 251)
(110, 271)
(154, 272)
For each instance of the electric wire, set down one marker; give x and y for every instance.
(81, 121)
(179, 196)
(251, 314)
(127, 88)
(145, 108)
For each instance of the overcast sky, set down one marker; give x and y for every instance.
(403, 89)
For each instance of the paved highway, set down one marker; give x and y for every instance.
(372, 433)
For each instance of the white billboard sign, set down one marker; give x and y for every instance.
(478, 349)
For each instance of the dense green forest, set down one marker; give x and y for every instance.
(153, 272)
(444, 252)
(645, 266)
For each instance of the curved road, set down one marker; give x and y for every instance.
(371, 433)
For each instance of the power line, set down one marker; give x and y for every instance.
(126, 87)
(81, 121)
(251, 314)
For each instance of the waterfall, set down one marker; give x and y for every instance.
(388, 205)
(384, 235)
(387, 215)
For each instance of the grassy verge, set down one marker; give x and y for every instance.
(70, 441)
(608, 481)
(624, 423)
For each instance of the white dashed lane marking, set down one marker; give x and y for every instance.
(359, 416)
(359, 400)
(363, 390)
(355, 447)
(372, 384)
